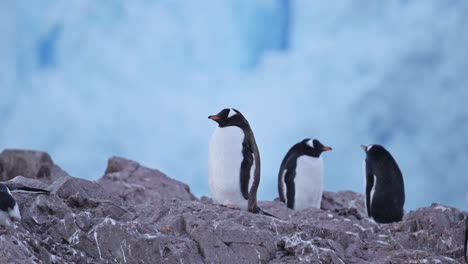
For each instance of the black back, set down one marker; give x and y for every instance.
(6, 200)
(250, 155)
(289, 163)
(389, 194)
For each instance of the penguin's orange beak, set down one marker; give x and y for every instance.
(326, 148)
(213, 117)
(364, 147)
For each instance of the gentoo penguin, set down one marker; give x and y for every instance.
(300, 178)
(233, 162)
(385, 191)
(8, 207)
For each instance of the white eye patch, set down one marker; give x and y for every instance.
(369, 147)
(231, 113)
(310, 143)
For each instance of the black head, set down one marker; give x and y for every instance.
(313, 147)
(6, 200)
(375, 151)
(229, 117)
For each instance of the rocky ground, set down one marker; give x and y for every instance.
(134, 214)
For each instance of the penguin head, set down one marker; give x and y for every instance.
(375, 151)
(370, 149)
(314, 147)
(229, 117)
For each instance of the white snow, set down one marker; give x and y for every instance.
(123, 253)
(150, 236)
(442, 208)
(75, 238)
(109, 220)
(352, 233)
(97, 244)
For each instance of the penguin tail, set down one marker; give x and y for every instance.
(267, 214)
(258, 210)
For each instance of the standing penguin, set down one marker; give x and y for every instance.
(300, 178)
(385, 191)
(8, 206)
(233, 162)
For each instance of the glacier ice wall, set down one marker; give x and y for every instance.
(85, 80)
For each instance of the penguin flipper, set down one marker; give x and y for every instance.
(290, 188)
(369, 184)
(282, 177)
(246, 167)
(281, 185)
(267, 214)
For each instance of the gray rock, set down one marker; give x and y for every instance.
(345, 203)
(30, 164)
(139, 185)
(19, 182)
(82, 221)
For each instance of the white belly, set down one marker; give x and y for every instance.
(15, 212)
(308, 182)
(5, 217)
(224, 162)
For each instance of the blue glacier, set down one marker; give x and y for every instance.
(85, 80)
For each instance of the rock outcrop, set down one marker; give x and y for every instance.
(139, 185)
(30, 164)
(137, 215)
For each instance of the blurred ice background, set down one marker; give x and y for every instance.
(85, 80)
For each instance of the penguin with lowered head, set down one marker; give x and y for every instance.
(8, 207)
(385, 191)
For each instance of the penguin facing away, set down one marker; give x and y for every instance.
(300, 178)
(385, 191)
(8, 207)
(234, 162)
